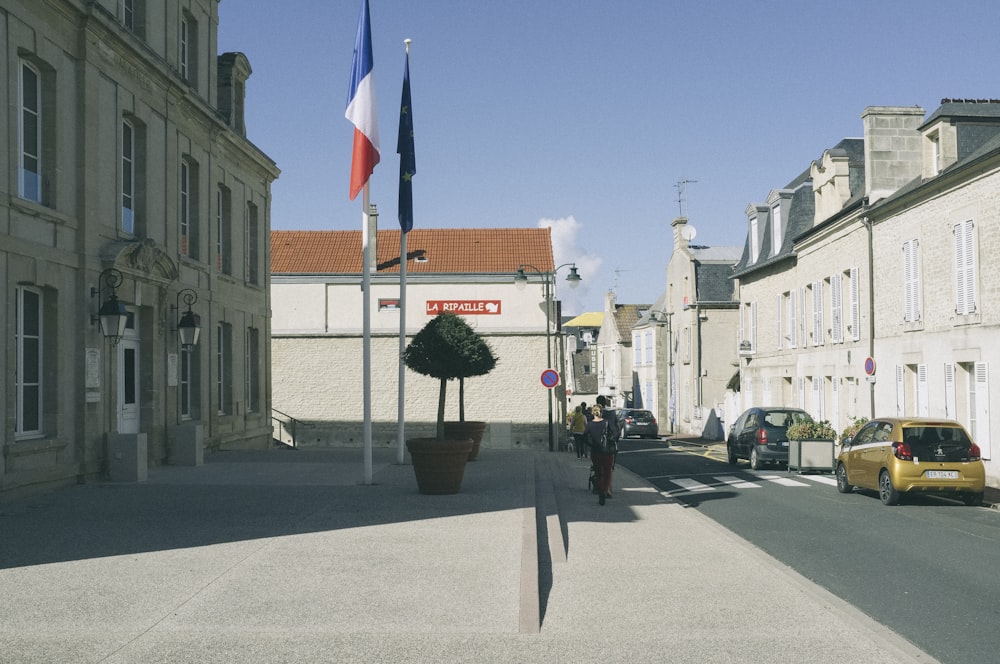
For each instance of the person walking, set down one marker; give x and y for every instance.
(578, 427)
(601, 436)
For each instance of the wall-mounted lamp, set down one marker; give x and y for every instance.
(189, 326)
(111, 314)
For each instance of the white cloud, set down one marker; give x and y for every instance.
(568, 247)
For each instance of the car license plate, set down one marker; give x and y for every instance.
(783, 443)
(942, 474)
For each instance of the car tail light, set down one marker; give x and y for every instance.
(902, 451)
(974, 453)
(654, 420)
(762, 436)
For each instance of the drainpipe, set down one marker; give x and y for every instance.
(697, 315)
(866, 220)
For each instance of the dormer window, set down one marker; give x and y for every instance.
(776, 229)
(935, 153)
(754, 243)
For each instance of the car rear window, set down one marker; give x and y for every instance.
(938, 443)
(785, 418)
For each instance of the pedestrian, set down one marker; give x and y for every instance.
(601, 436)
(578, 426)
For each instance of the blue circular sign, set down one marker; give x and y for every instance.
(550, 378)
(870, 366)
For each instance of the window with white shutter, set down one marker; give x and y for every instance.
(911, 280)
(965, 268)
(923, 399)
(817, 302)
(949, 391)
(793, 329)
(836, 310)
(855, 305)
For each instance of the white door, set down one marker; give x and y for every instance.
(128, 379)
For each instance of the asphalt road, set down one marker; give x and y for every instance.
(926, 569)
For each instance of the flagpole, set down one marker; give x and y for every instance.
(406, 169)
(401, 450)
(366, 353)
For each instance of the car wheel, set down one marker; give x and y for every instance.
(732, 455)
(842, 485)
(886, 491)
(972, 499)
(754, 459)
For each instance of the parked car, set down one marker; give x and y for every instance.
(912, 455)
(759, 435)
(635, 422)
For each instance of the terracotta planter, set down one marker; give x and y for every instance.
(439, 464)
(467, 429)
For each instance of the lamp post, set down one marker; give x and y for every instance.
(574, 278)
(111, 314)
(189, 325)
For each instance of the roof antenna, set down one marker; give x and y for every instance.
(680, 195)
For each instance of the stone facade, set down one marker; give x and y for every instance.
(126, 180)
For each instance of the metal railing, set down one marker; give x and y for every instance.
(284, 428)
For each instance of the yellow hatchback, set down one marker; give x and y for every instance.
(909, 455)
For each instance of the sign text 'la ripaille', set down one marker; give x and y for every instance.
(466, 307)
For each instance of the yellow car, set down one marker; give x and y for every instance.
(909, 455)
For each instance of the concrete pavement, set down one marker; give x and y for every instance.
(283, 556)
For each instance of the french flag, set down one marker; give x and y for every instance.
(361, 106)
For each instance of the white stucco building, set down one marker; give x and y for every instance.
(317, 332)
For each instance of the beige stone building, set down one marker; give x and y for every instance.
(869, 293)
(317, 330)
(701, 313)
(132, 189)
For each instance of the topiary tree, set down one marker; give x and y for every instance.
(446, 348)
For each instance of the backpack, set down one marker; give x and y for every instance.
(606, 444)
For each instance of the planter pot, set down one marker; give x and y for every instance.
(811, 454)
(439, 464)
(467, 429)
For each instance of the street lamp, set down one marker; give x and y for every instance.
(189, 326)
(111, 314)
(574, 279)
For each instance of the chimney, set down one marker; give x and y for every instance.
(893, 154)
(680, 239)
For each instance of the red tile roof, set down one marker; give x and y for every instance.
(447, 250)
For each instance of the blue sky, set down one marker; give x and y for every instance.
(584, 114)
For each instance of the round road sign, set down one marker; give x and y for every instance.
(550, 378)
(870, 366)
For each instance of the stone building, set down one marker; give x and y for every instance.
(131, 190)
(317, 329)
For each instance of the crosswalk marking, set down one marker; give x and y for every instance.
(688, 485)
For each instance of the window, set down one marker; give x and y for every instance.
(817, 310)
(28, 370)
(748, 328)
(803, 339)
(223, 371)
(636, 349)
(223, 230)
(776, 230)
(128, 178)
(189, 208)
(187, 58)
(855, 286)
(780, 323)
(252, 240)
(649, 347)
(836, 310)
(792, 329)
(911, 281)
(252, 370)
(189, 382)
(30, 134)
(965, 268)
(935, 140)
(754, 244)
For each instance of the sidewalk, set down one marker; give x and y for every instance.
(282, 556)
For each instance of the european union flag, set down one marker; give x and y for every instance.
(407, 160)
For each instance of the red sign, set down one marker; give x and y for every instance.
(463, 307)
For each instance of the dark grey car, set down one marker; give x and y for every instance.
(637, 422)
(759, 435)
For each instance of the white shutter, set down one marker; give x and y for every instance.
(793, 327)
(949, 391)
(836, 315)
(965, 268)
(982, 433)
(753, 326)
(923, 402)
(855, 305)
(835, 403)
(817, 313)
(817, 397)
(779, 305)
(900, 392)
(911, 280)
(803, 338)
(802, 392)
